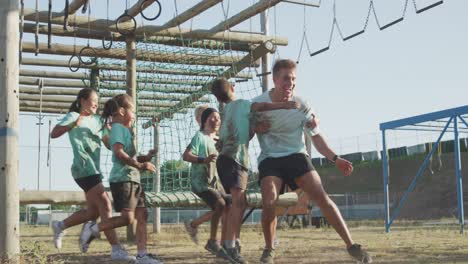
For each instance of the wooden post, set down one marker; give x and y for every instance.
(94, 78)
(156, 180)
(266, 57)
(9, 114)
(131, 90)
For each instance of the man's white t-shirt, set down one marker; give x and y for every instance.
(285, 136)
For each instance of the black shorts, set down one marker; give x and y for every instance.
(231, 173)
(88, 182)
(128, 195)
(288, 168)
(211, 197)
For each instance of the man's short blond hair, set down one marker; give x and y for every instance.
(283, 64)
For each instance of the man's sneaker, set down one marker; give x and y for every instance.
(58, 234)
(192, 231)
(87, 235)
(268, 256)
(359, 254)
(213, 246)
(148, 259)
(121, 254)
(235, 257)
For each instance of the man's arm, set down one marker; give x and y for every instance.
(322, 147)
(261, 107)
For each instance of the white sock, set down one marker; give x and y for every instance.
(230, 243)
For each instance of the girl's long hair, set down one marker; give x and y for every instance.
(84, 93)
(112, 106)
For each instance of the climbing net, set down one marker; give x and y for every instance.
(171, 82)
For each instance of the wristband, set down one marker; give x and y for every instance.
(334, 158)
(200, 160)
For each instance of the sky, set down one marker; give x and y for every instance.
(415, 67)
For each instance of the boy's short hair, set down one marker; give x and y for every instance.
(283, 64)
(198, 112)
(221, 89)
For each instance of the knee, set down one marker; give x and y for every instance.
(323, 201)
(269, 204)
(128, 218)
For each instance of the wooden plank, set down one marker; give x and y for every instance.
(142, 55)
(191, 12)
(118, 67)
(200, 34)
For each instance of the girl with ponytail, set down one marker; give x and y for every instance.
(84, 128)
(124, 179)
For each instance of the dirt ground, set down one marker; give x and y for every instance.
(405, 244)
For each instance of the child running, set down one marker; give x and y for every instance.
(85, 133)
(128, 193)
(233, 161)
(202, 153)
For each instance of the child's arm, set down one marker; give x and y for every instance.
(126, 159)
(260, 107)
(147, 157)
(190, 157)
(59, 130)
(106, 138)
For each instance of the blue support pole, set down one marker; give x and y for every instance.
(461, 219)
(385, 180)
(413, 182)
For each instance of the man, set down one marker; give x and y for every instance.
(283, 161)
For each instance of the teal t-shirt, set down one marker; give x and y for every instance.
(121, 172)
(234, 134)
(203, 176)
(285, 136)
(86, 144)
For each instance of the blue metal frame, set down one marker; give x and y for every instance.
(454, 114)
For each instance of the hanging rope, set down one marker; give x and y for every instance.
(65, 15)
(70, 61)
(36, 31)
(88, 49)
(111, 36)
(126, 17)
(49, 26)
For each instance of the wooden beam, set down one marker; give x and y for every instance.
(103, 93)
(103, 24)
(117, 37)
(117, 67)
(245, 14)
(51, 74)
(159, 199)
(9, 133)
(231, 72)
(191, 12)
(54, 83)
(142, 113)
(142, 55)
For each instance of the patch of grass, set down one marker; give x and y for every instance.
(409, 242)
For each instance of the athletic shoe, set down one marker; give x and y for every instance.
(87, 235)
(58, 234)
(121, 254)
(213, 247)
(148, 259)
(192, 231)
(235, 257)
(268, 256)
(359, 254)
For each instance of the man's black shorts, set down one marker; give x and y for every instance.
(288, 168)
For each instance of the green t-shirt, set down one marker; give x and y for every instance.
(121, 172)
(86, 144)
(203, 176)
(235, 130)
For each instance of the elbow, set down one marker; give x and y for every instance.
(54, 134)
